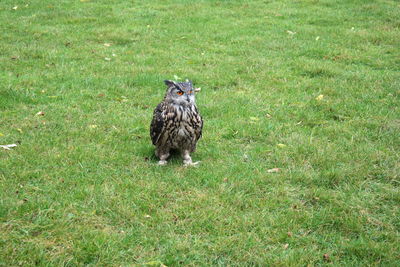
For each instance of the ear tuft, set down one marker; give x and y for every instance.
(170, 83)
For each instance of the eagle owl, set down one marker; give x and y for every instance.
(176, 122)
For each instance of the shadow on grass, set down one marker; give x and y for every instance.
(149, 156)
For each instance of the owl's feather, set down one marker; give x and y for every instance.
(157, 124)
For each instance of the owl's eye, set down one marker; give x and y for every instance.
(180, 93)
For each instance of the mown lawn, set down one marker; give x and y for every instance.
(310, 87)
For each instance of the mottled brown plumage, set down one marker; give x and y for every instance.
(176, 122)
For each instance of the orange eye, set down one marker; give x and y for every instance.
(180, 93)
(190, 91)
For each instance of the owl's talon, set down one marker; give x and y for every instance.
(162, 162)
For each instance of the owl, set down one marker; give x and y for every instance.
(176, 122)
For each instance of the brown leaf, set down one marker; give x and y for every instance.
(289, 234)
(326, 257)
(273, 170)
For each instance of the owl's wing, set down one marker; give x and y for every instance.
(199, 128)
(157, 124)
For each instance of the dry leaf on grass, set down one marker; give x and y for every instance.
(254, 119)
(40, 113)
(273, 170)
(8, 147)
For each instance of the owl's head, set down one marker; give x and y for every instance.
(180, 93)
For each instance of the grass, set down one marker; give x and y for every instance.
(83, 187)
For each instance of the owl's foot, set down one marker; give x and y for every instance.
(163, 159)
(187, 160)
(162, 162)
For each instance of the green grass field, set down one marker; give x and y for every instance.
(307, 86)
